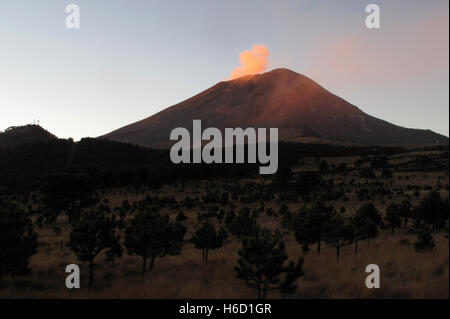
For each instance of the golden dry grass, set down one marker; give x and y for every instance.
(405, 273)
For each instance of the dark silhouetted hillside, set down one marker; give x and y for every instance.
(16, 135)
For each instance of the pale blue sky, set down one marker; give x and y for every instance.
(131, 59)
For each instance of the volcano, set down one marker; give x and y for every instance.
(295, 104)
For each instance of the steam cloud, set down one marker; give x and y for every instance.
(252, 62)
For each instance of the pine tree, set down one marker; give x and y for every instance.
(288, 220)
(92, 233)
(18, 241)
(206, 237)
(405, 211)
(425, 240)
(240, 225)
(151, 235)
(309, 223)
(432, 210)
(365, 223)
(261, 263)
(392, 216)
(114, 252)
(337, 233)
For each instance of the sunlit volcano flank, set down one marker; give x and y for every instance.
(299, 107)
(252, 62)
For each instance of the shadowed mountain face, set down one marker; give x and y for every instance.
(296, 105)
(18, 135)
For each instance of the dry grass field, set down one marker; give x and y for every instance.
(405, 273)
